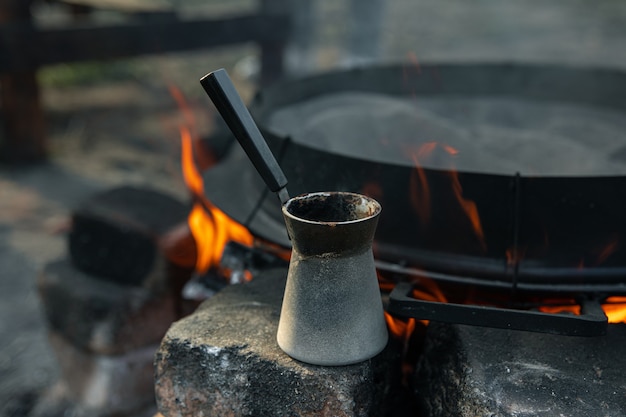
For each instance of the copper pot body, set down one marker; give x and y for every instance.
(332, 311)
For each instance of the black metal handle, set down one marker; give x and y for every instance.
(222, 92)
(593, 321)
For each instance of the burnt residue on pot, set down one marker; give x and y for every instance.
(332, 207)
(331, 222)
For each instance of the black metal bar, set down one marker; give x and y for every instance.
(593, 323)
(516, 228)
(26, 47)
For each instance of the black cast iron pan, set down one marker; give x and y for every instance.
(537, 231)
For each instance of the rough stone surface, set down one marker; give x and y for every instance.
(224, 361)
(102, 385)
(103, 317)
(472, 371)
(116, 235)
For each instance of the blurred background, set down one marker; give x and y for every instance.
(110, 115)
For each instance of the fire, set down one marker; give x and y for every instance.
(556, 309)
(469, 207)
(450, 150)
(420, 196)
(211, 228)
(608, 250)
(615, 309)
(204, 159)
(400, 329)
(512, 257)
(192, 177)
(420, 193)
(424, 289)
(601, 255)
(428, 290)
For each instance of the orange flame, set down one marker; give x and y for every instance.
(192, 177)
(424, 289)
(469, 208)
(511, 257)
(420, 193)
(615, 309)
(420, 196)
(204, 159)
(569, 308)
(601, 255)
(608, 250)
(210, 227)
(428, 290)
(450, 150)
(400, 329)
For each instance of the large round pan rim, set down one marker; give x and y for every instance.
(261, 213)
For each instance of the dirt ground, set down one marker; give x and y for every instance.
(125, 131)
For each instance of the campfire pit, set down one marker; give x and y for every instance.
(496, 235)
(456, 210)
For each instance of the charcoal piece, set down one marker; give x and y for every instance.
(115, 234)
(224, 361)
(472, 371)
(100, 316)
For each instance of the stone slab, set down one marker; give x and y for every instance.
(471, 371)
(103, 317)
(223, 360)
(95, 385)
(119, 235)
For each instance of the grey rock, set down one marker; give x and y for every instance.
(472, 371)
(103, 317)
(224, 361)
(120, 235)
(95, 385)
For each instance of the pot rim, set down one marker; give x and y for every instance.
(376, 207)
